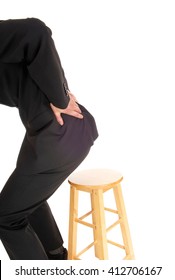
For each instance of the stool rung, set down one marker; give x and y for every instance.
(113, 225)
(84, 223)
(116, 244)
(85, 215)
(111, 210)
(85, 249)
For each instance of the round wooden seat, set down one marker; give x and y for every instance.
(95, 178)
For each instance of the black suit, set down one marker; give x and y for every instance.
(31, 76)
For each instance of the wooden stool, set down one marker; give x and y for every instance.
(96, 182)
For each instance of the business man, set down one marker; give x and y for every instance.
(59, 134)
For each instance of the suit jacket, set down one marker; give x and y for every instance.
(31, 76)
(26, 46)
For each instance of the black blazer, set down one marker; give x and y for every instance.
(31, 76)
(30, 67)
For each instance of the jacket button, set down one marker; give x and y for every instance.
(66, 89)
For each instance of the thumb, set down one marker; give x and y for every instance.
(57, 113)
(59, 119)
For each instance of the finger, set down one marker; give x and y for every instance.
(76, 114)
(77, 108)
(59, 119)
(74, 106)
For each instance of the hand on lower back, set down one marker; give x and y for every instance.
(72, 109)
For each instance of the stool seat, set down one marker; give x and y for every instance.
(95, 177)
(96, 182)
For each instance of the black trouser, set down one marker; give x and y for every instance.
(28, 230)
(49, 152)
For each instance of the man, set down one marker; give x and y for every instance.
(59, 134)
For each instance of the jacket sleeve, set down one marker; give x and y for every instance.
(30, 41)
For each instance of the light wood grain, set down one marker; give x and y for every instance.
(97, 182)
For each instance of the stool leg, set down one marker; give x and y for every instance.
(72, 243)
(100, 228)
(124, 222)
(96, 246)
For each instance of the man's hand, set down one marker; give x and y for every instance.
(72, 110)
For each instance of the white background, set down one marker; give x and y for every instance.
(119, 59)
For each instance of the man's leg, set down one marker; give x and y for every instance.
(20, 197)
(44, 225)
(43, 222)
